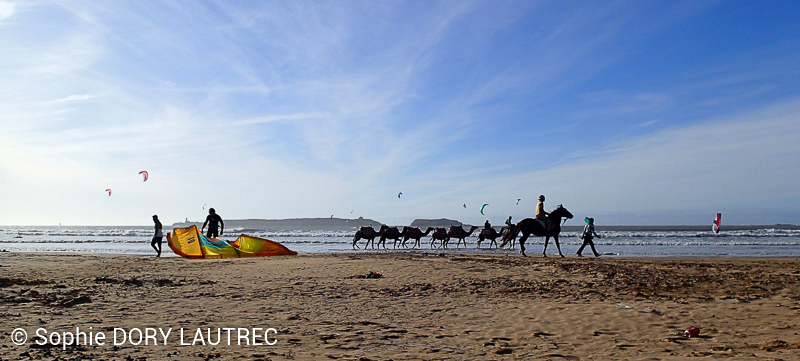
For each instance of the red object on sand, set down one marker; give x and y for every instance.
(692, 332)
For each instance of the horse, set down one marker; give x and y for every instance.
(533, 226)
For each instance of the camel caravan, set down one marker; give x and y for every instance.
(440, 237)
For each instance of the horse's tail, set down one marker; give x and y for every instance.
(513, 234)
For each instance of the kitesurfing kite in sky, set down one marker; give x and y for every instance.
(518, 199)
(109, 191)
(483, 206)
(145, 175)
(399, 194)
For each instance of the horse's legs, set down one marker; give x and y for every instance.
(544, 251)
(558, 246)
(355, 239)
(522, 244)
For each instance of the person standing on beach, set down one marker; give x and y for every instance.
(215, 224)
(588, 231)
(158, 236)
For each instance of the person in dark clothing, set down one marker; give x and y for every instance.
(487, 225)
(158, 236)
(215, 224)
(588, 232)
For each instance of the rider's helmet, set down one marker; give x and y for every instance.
(541, 198)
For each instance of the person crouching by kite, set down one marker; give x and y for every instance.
(215, 224)
(588, 231)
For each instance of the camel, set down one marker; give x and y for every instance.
(533, 226)
(415, 234)
(488, 233)
(439, 234)
(365, 232)
(459, 233)
(387, 232)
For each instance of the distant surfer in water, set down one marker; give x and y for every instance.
(158, 236)
(588, 232)
(215, 224)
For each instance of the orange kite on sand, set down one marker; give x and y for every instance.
(190, 243)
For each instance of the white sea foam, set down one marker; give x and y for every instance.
(628, 242)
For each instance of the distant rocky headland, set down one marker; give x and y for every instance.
(344, 223)
(317, 223)
(293, 223)
(441, 222)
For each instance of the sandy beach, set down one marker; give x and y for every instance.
(426, 306)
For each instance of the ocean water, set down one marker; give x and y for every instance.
(616, 241)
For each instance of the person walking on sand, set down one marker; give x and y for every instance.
(215, 224)
(158, 236)
(588, 231)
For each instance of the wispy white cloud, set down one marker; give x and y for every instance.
(748, 158)
(280, 117)
(648, 123)
(7, 10)
(306, 109)
(77, 97)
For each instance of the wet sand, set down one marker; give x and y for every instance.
(424, 307)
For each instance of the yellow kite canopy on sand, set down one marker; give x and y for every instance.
(190, 243)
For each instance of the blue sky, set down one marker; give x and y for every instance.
(631, 112)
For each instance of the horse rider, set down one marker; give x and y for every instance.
(542, 215)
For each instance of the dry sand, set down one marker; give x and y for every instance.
(425, 307)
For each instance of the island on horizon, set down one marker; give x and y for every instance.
(345, 223)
